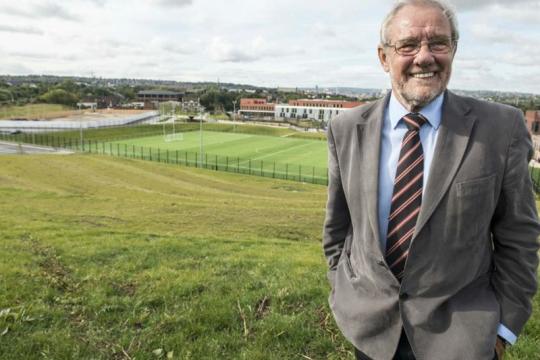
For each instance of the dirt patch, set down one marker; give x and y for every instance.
(263, 307)
(76, 115)
(57, 275)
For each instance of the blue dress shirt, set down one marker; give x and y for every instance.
(393, 131)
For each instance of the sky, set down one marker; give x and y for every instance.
(285, 43)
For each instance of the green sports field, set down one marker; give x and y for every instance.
(246, 146)
(270, 156)
(256, 150)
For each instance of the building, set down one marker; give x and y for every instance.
(532, 117)
(258, 108)
(87, 104)
(101, 102)
(151, 98)
(316, 109)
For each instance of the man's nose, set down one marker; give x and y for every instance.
(424, 56)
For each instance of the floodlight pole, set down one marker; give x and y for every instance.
(81, 133)
(173, 118)
(201, 134)
(161, 111)
(234, 115)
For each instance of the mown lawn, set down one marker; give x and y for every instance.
(108, 258)
(282, 150)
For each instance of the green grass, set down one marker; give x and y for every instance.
(126, 132)
(31, 111)
(268, 156)
(101, 256)
(107, 258)
(256, 150)
(255, 147)
(219, 116)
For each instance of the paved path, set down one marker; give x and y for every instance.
(9, 148)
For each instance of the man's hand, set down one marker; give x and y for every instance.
(500, 347)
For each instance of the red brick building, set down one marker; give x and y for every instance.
(532, 117)
(256, 108)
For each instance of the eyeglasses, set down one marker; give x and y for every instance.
(410, 47)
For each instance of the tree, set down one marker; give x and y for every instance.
(59, 96)
(5, 95)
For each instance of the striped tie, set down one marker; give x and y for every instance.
(407, 195)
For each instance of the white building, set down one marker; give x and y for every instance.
(316, 109)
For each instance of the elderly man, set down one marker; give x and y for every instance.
(431, 226)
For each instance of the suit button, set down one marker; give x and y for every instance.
(403, 296)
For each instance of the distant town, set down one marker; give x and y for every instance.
(239, 101)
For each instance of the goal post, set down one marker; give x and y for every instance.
(174, 137)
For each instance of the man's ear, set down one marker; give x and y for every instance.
(383, 58)
(455, 50)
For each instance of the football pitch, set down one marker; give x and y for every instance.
(282, 150)
(269, 156)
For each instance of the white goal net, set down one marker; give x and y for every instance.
(174, 137)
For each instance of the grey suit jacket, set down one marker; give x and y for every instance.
(473, 258)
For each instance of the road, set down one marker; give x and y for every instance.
(9, 148)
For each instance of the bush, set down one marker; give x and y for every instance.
(59, 96)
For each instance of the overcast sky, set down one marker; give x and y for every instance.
(272, 43)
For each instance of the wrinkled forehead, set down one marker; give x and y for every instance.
(419, 22)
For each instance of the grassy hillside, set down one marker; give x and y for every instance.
(34, 111)
(107, 258)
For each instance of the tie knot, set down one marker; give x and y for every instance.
(414, 121)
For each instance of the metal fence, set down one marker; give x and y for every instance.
(57, 125)
(272, 169)
(235, 164)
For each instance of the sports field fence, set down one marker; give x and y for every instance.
(272, 169)
(234, 164)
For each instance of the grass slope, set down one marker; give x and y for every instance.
(34, 111)
(107, 258)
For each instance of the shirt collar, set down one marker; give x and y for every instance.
(432, 111)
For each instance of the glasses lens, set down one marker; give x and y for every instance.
(407, 47)
(412, 47)
(440, 46)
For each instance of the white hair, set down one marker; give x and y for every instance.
(446, 9)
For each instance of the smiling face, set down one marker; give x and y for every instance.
(417, 79)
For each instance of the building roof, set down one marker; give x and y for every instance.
(158, 92)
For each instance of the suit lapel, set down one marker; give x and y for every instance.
(454, 134)
(369, 141)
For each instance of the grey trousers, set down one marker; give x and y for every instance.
(403, 352)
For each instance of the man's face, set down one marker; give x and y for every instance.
(417, 79)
